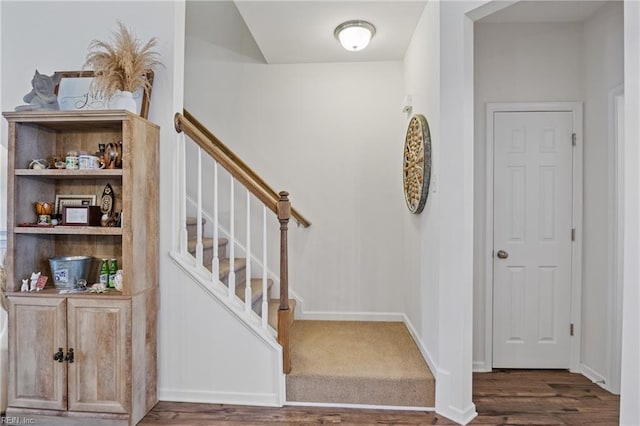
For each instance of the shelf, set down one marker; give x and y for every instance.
(70, 174)
(51, 291)
(89, 121)
(67, 230)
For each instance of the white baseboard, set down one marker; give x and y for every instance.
(350, 316)
(209, 397)
(593, 375)
(481, 367)
(423, 350)
(460, 416)
(361, 406)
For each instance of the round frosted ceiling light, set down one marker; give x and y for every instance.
(354, 35)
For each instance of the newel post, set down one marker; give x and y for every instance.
(284, 313)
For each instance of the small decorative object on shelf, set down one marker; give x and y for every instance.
(43, 211)
(121, 67)
(72, 162)
(98, 288)
(118, 279)
(81, 215)
(42, 96)
(41, 283)
(106, 204)
(88, 162)
(104, 273)
(55, 219)
(34, 280)
(113, 269)
(25, 285)
(38, 164)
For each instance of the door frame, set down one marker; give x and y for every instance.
(576, 248)
(616, 238)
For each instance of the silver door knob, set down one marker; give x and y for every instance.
(502, 254)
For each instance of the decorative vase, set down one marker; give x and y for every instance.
(124, 100)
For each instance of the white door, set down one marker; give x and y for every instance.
(532, 239)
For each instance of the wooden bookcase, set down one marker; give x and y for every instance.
(112, 379)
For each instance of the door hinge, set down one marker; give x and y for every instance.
(571, 329)
(573, 234)
(573, 139)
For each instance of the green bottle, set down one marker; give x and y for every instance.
(113, 268)
(104, 272)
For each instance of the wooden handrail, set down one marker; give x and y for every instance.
(232, 163)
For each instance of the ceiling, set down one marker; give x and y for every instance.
(301, 31)
(546, 11)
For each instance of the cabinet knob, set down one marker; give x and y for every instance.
(69, 357)
(58, 356)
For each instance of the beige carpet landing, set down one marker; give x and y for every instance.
(357, 362)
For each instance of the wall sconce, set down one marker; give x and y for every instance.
(354, 35)
(407, 104)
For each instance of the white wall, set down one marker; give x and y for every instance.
(515, 63)
(331, 134)
(182, 304)
(421, 81)
(603, 71)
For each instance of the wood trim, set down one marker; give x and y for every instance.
(284, 313)
(232, 163)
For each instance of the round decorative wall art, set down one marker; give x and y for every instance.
(416, 167)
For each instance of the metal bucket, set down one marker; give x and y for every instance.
(67, 270)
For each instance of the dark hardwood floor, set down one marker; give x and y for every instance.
(508, 397)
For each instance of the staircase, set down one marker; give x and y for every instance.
(325, 362)
(240, 267)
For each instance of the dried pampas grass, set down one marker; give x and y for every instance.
(122, 64)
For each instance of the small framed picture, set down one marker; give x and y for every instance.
(64, 200)
(81, 215)
(75, 93)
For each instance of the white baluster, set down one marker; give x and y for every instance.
(232, 242)
(182, 203)
(265, 302)
(199, 247)
(247, 281)
(215, 263)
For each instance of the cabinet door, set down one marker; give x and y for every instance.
(99, 332)
(37, 328)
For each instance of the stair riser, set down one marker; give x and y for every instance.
(257, 305)
(241, 276)
(207, 253)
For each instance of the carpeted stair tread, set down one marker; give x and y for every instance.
(256, 290)
(192, 220)
(239, 263)
(207, 243)
(358, 362)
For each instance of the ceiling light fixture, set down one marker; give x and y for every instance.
(354, 35)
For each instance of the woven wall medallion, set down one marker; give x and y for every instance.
(416, 168)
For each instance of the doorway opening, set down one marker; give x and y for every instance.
(545, 52)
